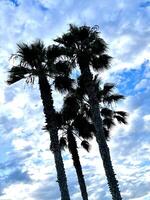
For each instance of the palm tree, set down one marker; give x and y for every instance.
(72, 128)
(36, 60)
(77, 122)
(88, 50)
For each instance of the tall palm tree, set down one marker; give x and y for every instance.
(71, 128)
(77, 122)
(88, 50)
(36, 60)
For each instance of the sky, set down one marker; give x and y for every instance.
(27, 170)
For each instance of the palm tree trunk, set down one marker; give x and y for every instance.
(100, 138)
(76, 161)
(46, 96)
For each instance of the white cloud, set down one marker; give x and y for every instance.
(143, 84)
(23, 190)
(49, 3)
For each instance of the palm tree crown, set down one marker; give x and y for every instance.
(84, 42)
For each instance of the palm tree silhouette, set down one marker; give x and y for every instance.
(36, 60)
(76, 115)
(88, 50)
(71, 128)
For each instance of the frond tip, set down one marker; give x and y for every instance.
(13, 79)
(85, 144)
(108, 88)
(121, 116)
(16, 73)
(121, 113)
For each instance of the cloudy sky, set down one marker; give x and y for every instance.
(27, 169)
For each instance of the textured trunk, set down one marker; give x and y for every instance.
(76, 161)
(100, 138)
(51, 125)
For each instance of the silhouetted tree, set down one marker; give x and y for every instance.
(36, 60)
(71, 128)
(88, 50)
(76, 113)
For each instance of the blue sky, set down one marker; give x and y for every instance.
(27, 169)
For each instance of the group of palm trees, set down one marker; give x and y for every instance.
(87, 109)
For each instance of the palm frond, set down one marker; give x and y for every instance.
(67, 39)
(19, 70)
(23, 51)
(70, 107)
(105, 91)
(54, 51)
(59, 40)
(106, 112)
(83, 33)
(108, 122)
(17, 73)
(85, 144)
(113, 98)
(14, 79)
(102, 62)
(84, 127)
(108, 88)
(63, 83)
(120, 119)
(99, 46)
(63, 67)
(121, 113)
